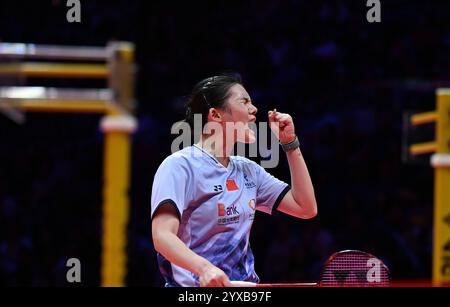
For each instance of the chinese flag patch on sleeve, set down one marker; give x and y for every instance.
(231, 185)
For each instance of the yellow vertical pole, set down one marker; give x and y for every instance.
(117, 130)
(441, 163)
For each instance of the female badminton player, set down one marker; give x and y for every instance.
(204, 199)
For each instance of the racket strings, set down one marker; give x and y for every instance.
(354, 268)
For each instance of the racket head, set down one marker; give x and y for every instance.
(354, 268)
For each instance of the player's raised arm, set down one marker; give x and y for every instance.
(300, 200)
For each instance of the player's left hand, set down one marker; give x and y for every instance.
(285, 130)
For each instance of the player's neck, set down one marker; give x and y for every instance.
(218, 147)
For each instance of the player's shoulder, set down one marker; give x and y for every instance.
(244, 162)
(190, 156)
(241, 160)
(179, 158)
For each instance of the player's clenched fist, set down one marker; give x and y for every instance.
(282, 126)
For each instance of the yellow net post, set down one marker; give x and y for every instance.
(117, 130)
(116, 174)
(441, 163)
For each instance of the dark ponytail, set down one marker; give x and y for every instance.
(209, 93)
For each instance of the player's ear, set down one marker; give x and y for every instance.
(215, 115)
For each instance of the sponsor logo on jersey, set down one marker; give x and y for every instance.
(218, 188)
(231, 185)
(227, 215)
(252, 204)
(248, 183)
(220, 209)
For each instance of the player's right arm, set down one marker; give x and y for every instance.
(165, 225)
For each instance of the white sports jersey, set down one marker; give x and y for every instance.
(216, 207)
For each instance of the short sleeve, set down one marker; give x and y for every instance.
(170, 185)
(270, 190)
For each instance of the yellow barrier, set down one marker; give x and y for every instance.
(423, 118)
(441, 163)
(117, 103)
(54, 70)
(422, 148)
